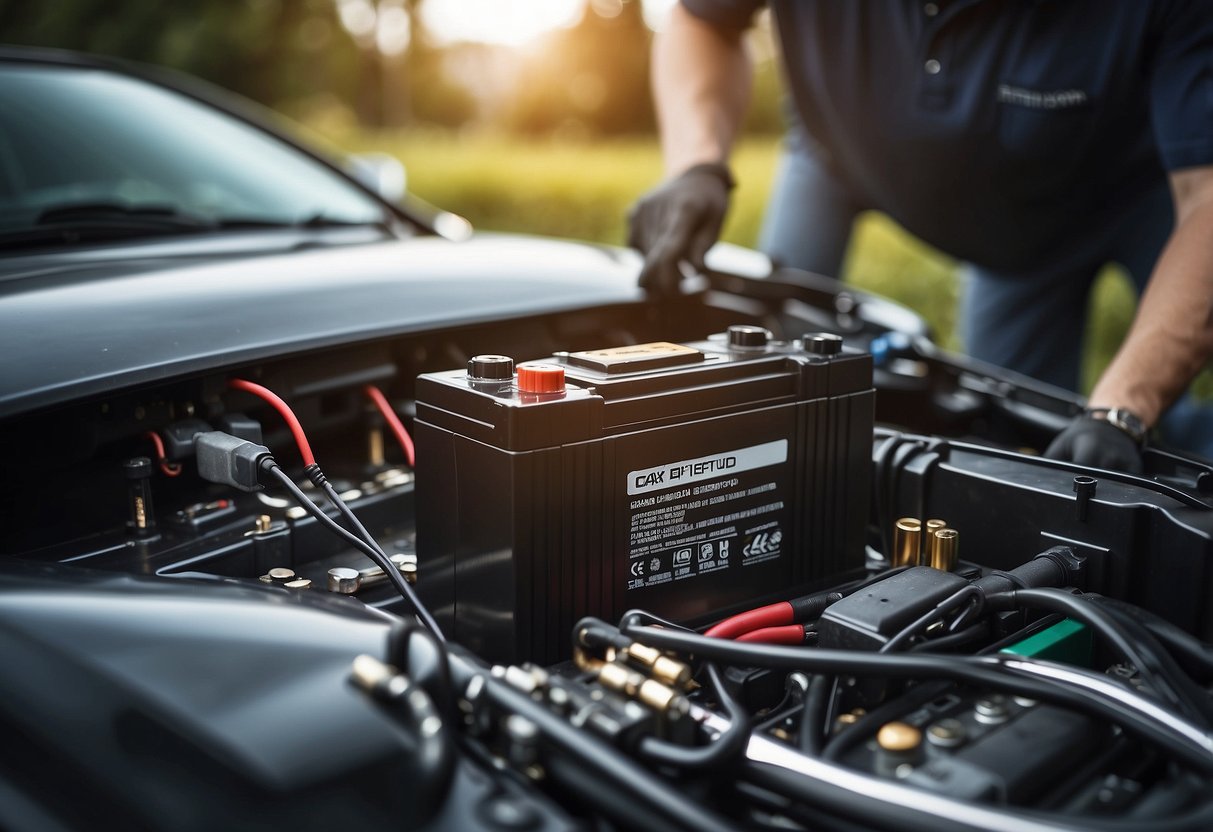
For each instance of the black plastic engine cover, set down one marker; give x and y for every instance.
(1144, 540)
(866, 619)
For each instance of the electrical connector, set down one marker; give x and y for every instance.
(179, 438)
(229, 460)
(239, 425)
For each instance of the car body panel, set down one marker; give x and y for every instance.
(75, 329)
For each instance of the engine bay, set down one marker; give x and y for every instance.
(749, 558)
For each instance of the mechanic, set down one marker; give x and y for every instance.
(1035, 141)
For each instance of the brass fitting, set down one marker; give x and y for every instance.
(374, 451)
(899, 737)
(671, 672)
(943, 549)
(664, 669)
(632, 684)
(585, 662)
(907, 541)
(643, 654)
(659, 697)
(620, 679)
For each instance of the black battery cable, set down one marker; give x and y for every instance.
(1080, 690)
(364, 543)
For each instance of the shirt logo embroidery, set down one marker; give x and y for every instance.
(1041, 99)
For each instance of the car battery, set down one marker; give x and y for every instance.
(690, 480)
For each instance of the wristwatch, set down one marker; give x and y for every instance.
(1125, 420)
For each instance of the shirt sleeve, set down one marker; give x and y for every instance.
(1181, 83)
(729, 14)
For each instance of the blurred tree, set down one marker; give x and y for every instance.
(268, 50)
(436, 97)
(281, 53)
(592, 77)
(338, 64)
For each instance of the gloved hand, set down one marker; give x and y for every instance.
(679, 220)
(1095, 442)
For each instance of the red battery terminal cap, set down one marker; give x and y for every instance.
(540, 378)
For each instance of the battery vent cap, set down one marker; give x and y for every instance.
(540, 378)
(490, 368)
(744, 336)
(822, 343)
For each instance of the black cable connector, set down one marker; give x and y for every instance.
(228, 460)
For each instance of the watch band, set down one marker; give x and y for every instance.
(1126, 420)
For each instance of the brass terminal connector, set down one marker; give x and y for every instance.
(664, 669)
(374, 450)
(943, 549)
(907, 541)
(620, 679)
(634, 685)
(642, 654)
(898, 737)
(661, 698)
(671, 672)
(585, 662)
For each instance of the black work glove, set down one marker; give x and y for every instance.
(679, 220)
(1096, 443)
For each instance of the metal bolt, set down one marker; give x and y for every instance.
(524, 740)
(947, 733)
(933, 67)
(991, 710)
(409, 570)
(300, 583)
(280, 574)
(345, 580)
(558, 698)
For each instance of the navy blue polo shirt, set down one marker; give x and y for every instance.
(1009, 133)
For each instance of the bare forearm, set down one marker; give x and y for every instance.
(701, 85)
(1172, 335)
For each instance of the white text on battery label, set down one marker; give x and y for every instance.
(705, 467)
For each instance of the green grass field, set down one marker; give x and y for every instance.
(582, 190)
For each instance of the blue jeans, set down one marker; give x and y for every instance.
(1032, 323)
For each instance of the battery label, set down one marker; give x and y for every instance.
(723, 510)
(636, 358)
(688, 471)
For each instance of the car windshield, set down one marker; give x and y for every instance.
(85, 148)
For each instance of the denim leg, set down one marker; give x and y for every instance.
(1032, 324)
(809, 214)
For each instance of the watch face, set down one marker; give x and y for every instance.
(1128, 422)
